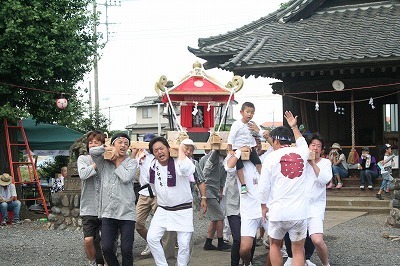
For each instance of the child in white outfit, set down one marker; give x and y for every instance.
(241, 136)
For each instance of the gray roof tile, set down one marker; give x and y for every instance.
(351, 32)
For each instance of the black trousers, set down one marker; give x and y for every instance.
(234, 224)
(109, 233)
(308, 246)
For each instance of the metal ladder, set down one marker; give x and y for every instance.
(15, 165)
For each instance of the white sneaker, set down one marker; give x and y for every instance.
(309, 263)
(146, 251)
(284, 253)
(288, 262)
(369, 187)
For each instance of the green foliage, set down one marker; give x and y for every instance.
(223, 128)
(48, 170)
(45, 47)
(91, 123)
(284, 5)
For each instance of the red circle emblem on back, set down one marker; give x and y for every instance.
(292, 165)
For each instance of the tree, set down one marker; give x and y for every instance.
(46, 47)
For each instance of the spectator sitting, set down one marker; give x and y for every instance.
(339, 165)
(387, 164)
(58, 184)
(8, 200)
(367, 165)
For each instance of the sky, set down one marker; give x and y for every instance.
(149, 38)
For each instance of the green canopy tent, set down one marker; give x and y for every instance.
(48, 139)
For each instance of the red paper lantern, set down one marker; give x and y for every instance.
(62, 103)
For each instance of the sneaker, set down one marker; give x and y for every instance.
(243, 190)
(224, 246)
(284, 253)
(379, 196)
(288, 262)
(209, 247)
(387, 194)
(16, 221)
(4, 222)
(362, 187)
(369, 187)
(329, 186)
(309, 263)
(339, 185)
(146, 251)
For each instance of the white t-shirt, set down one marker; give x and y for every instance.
(316, 187)
(282, 184)
(8, 192)
(250, 207)
(144, 167)
(240, 136)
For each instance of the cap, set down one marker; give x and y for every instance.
(365, 149)
(189, 142)
(336, 146)
(148, 136)
(387, 146)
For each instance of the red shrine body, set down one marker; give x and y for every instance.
(198, 94)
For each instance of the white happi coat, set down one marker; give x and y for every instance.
(180, 220)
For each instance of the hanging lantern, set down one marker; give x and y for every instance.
(62, 103)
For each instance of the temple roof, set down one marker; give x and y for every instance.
(310, 33)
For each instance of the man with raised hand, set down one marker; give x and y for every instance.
(282, 191)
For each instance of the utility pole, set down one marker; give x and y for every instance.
(95, 61)
(90, 99)
(96, 72)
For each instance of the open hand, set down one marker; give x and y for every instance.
(292, 120)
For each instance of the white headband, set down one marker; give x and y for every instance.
(112, 143)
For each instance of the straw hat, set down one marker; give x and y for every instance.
(336, 146)
(5, 180)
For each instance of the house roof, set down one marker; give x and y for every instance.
(309, 33)
(147, 101)
(145, 126)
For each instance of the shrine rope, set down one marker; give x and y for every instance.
(226, 109)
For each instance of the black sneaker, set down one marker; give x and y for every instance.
(379, 196)
(224, 246)
(387, 194)
(209, 247)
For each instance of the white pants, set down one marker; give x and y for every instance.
(154, 236)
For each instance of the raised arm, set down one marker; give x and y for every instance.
(126, 170)
(292, 121)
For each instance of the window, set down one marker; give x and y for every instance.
(146, 113)
(391, 118)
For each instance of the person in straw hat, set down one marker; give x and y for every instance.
(339, 165)
(8, 200)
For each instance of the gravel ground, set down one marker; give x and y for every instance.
(356, 242)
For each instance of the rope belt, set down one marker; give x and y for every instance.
(183, 206)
